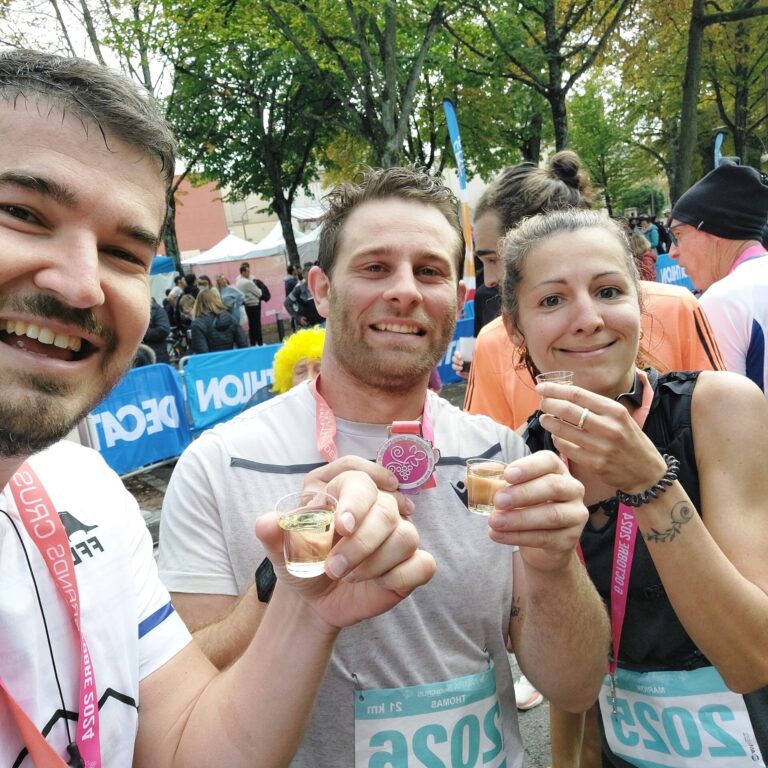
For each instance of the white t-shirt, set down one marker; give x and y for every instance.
(128, 621)
(445, 642)
(737, 310)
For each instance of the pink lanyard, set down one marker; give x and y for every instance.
(44, 527)
(325, 424)
(624, 549)
(753, 252)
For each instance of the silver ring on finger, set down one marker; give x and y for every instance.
(582, 419)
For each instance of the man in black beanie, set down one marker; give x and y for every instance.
(717, 229)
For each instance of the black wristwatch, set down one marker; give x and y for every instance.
(265, 580)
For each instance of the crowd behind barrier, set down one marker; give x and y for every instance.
(156, 411)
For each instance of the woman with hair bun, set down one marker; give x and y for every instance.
(676, 334)
(673, 472)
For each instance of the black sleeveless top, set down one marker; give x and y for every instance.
(653, 638)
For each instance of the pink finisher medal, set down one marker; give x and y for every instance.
(409, 456)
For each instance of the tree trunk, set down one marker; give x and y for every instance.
(741, 96)
(531, 147)
(170, 241)
(559, 118)
(283, 211)
(686, 149)
(93, 36)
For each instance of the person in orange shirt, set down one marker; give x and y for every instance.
(675, 336)
(676, 333)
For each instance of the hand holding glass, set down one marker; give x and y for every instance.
(484, 478)
(307, 522)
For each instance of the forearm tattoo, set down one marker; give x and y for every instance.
(515, 608)
(681, 513)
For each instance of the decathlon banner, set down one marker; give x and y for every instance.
(142, 421)
(668, 270)
(220, 384)
(452, 122)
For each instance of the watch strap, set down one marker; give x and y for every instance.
(265, 580)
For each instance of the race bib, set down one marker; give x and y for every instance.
(451, 724)
(678, 719)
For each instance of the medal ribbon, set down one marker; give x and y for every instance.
(325, 428)
(624, 544)
(753, 252)
(45, 528)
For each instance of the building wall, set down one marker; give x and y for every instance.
(200, 218)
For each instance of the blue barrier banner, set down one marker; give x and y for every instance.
(465, 327)
(219, 384)
(669, 271)
(142, 421)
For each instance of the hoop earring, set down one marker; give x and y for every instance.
(525, 358)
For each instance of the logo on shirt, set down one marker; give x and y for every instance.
(460, 489)
(82, 545)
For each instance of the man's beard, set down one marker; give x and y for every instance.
(375, 368)
(46, 414)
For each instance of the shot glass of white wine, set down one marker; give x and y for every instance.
(307, 522)
(555, 377)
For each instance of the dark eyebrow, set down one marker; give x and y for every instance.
(66, 197)
(141, 235)
(41, 185)
(485, 252)
(598, 276)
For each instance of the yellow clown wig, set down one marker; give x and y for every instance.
(306, 344)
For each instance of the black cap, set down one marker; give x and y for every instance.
(729, 202)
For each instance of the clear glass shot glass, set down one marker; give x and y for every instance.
(307, 522)
(555, 377)
(484, 478)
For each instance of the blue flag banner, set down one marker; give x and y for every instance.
(465, 327)
(142, 421)
(219, 384)
(719, 147)
(668, 270)
(452, 121)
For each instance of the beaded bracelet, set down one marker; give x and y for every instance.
(638, 499)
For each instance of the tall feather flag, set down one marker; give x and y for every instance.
(719, 137)
(453, 132)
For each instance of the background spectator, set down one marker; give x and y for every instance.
(214, 329)
(298, 359)
(253, 296)
(644, 257)
(158, 331)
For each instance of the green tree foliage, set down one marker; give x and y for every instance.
(661, 54)
(645, 197)
(257, 108)
(604, 139)
(546, 45)
(736, 67)
(500, 121)
(372, 54)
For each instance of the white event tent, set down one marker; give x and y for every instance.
(233, 248)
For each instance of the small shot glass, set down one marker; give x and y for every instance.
(484, 478)
(555, 377)
(307, 522)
